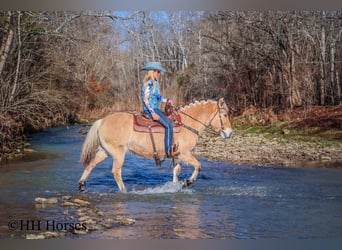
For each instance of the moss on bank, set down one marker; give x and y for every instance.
(314, 135)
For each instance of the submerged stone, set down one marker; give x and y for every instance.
(41, 200)
(66, 197)
(107, 225)
(81, 202)
(69, 204)
(122, 220)
(35, 237)
(80, 232)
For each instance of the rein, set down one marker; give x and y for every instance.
(206, 126)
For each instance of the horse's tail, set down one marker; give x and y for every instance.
(90, 144)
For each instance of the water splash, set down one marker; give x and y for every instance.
(168, 187)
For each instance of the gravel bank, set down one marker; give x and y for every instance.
(260, 149)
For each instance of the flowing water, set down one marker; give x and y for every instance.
(227, 201)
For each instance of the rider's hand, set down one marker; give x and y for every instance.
(155, 117)
(170, 102)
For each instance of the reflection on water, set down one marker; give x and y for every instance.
(227, 201)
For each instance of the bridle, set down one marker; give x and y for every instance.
(218, 111)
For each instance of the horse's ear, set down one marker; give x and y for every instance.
(221, 102)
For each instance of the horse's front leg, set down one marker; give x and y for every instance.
(176, 172)
(190, 159)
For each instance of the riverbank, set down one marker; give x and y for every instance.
(310, 136)
(257, 146)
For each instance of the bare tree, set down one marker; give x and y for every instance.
(7, 39)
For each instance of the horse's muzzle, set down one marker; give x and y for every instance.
(226, 133)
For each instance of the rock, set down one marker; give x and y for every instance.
(82, 210)
(51, 235)
(66, 197)
(180, 231)
(69, 204)
(107, 225)
(81, 202)
(35, 237)
(100, 213)
(66, 212)
(285, 131)
(87, 220)
(91, 221)
(81, 214)
(80, 232)
(29, 150)
(46, 200)
(84, 218)
(122, 220)
(325, 158)
(93, 227)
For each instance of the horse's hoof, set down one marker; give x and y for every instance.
(82, 186)
(186, 183)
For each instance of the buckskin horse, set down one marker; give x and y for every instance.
(115, 135)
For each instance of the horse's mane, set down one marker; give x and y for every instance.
(195, 103)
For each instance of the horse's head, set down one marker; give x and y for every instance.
(221, 122)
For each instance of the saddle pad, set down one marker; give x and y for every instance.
(141, 124)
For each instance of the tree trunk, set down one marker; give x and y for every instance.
(332, 72)
(322, 64)
(6, 42)
(17, 71)
(339, 92)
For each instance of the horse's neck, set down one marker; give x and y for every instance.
(198, 115)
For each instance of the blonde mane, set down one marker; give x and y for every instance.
(195, 104)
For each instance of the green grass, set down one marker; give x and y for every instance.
(313, 134)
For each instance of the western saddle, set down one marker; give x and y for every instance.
(143, 123)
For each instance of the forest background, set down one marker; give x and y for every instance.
(64, 67)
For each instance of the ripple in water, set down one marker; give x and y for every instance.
(240, 191)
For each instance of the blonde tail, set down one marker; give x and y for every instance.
(90, 144)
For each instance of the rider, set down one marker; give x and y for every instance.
(150, 95)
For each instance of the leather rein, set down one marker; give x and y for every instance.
(195, 131)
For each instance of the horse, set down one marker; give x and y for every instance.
(114, 135)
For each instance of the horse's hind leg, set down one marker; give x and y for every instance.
(119, 157)
(100, 156)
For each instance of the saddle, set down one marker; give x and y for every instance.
(143, 123)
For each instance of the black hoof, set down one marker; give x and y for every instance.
(187, 183)
(82, 186)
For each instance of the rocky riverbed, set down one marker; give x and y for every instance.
(79, 216)
(266, 150)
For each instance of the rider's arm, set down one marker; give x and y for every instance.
(147, 94)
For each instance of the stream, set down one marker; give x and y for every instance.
(227, 202)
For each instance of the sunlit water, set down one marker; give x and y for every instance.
(227, 201)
